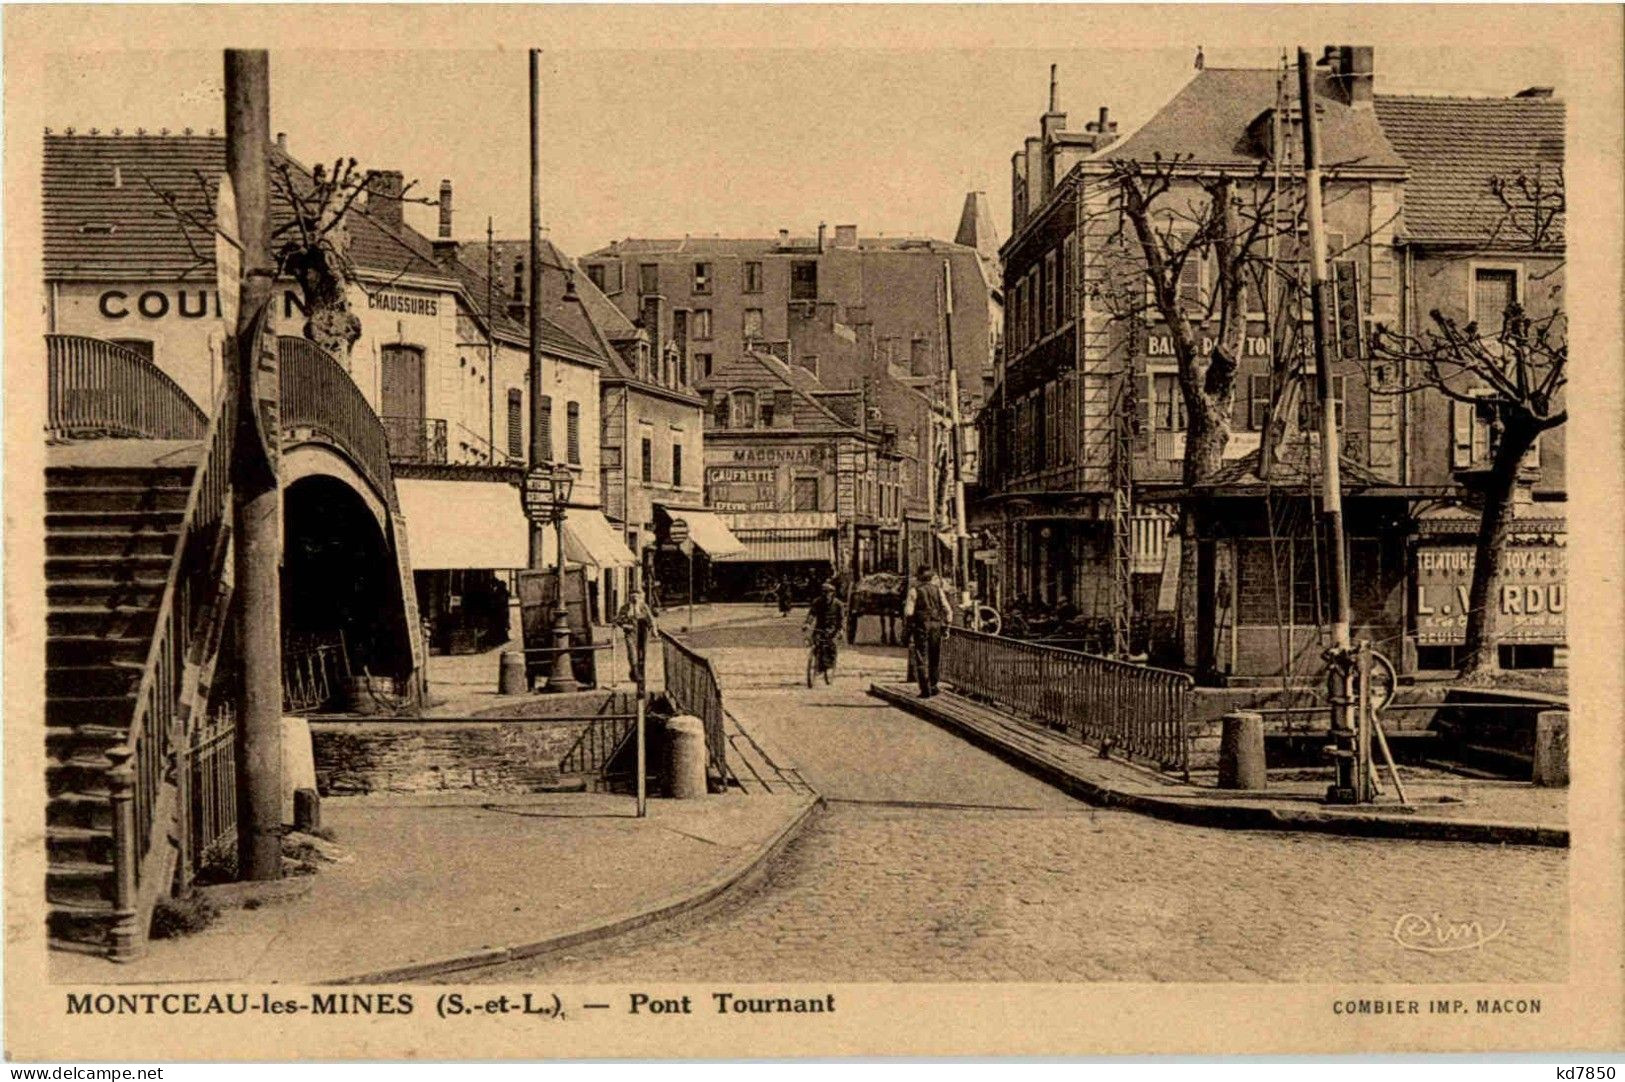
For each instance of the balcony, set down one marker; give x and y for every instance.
(416, 439)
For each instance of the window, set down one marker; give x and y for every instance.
(1031, 302)
(1469, 433)
(1309, 402)
(702, 364)
(702, 323)
(1494, 290)
(547, 428)
(702, 278)
(595, 275)
(572, 433)
(804, 280)
(1067, 269)
(648, 278)
(720, 409)
(753, 277)
(646, 456)
(516, 424)
(682, 371)
(782, 409)
(744, 410)
(1167, 402)
(676, 460)
(1258, 401)
(804, 494)
(753, 324)
(809, 361)
(765, 409)
(1049, 292)
(143, 346)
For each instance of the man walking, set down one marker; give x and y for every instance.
(636, 620)
(926, 612)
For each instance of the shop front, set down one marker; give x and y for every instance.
(778, 547)
(682, 562)
(463, 537)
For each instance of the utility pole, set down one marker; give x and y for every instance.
(961, 547)
(490, 342)
(1350, 782)
(256, 493)
(540, 424)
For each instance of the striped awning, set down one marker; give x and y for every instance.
(784, 546)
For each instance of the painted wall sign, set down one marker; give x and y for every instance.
(1162, 345)
(158, 303)
(812, 453)
(1530, 602)
(388, 301)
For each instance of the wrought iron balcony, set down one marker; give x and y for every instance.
(416, 439)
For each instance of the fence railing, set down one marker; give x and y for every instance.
(100, 388)
(186, 638)
(416, 439)
(693, 687)
(592, 750)
(210, 786)
(318, 394)
(314, 671)
(1135, 709)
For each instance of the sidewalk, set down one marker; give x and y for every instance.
(434, 883)
(1442, 807)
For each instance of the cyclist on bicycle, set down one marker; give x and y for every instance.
(824, 619)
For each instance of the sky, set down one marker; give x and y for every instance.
(730, 141)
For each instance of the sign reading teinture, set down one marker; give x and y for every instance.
(537, 494)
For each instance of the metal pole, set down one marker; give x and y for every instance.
(562, 676)
(961, 548)
(255, 488)
(643, 670)
(490, 344)
(1346, 788)
(691, 586)
(540, 452)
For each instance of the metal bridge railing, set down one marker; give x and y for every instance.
(100, 388)
(318, 394)
(417, 439)
(1135, 709)
(693, 688)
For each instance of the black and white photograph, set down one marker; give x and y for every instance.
(604, 531)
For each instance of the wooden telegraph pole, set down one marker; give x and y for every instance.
(961, 545)
(255, 489)
(1351, 775)
(540, 427)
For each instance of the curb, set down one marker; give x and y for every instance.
(1227, 815)
(739, 872)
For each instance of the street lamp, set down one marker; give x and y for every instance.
(562, 677)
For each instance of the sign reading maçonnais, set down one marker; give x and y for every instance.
(1530, 600)
(814, 453)
(387, 301)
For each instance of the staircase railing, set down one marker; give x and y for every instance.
(318, 394)
(100, 388)
(142, 787)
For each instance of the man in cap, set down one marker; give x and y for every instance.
(926, 612)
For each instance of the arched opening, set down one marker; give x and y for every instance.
(340, 580)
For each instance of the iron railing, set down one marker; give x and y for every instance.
(693, 688)
(185, 647)
(314, 671)
(210, 781)
(100, 388)
(416, 439)
(319, 395)
(597, 744)
(1135, 709)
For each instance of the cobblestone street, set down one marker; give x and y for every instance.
(935, 861)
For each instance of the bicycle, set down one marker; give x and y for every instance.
(820, 654)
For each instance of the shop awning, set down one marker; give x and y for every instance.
(463, 525)
(709, 533)
(785, 546)
(590, 539)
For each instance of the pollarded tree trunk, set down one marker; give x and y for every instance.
(324, 289)
(1209, 405)
(1482, 649)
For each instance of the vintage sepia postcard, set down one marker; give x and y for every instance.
(541, 532)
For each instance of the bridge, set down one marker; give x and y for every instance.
(139, 732)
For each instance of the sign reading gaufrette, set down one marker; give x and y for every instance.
(1529, 602)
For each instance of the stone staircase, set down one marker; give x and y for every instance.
(110, 536)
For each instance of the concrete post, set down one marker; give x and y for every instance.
(1241, 752)
(685, 740)
(1552, 749)
(511, 678)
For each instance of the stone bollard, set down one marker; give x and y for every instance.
(1552, 749)
(298, 764)
(511, 680)
(685, 758)
(307, 811)
(1241, 752)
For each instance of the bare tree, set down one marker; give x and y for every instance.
(1511, 370)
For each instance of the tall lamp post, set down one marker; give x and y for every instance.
(562, 677)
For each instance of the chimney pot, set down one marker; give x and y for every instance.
(282, 141)
(784, 238)
(445, 210)
(821, 228)
(384, 196)
(1101, 124)
(1054, 93)
(846, 236)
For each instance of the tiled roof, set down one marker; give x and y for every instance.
(748, 246)
(1453, 146)
(555, 339)
(1207, 122)
(757, 371)
(145, 241)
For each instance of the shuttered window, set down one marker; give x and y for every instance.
(516, 424)
(547, 428)
(720, 410)
(572, 433)
(1493, 291)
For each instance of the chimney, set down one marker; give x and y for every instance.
(282, 141)
(654, 322)
(821, 236)
(1535, 92)
(516, 297)
(919, 357)
(1035, 173)
(846, 236)
(1353, 72)
(384, 197)
(445, 210)
(784, 238)
(1018, 190)
(1054, 94)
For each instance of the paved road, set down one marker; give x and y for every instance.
(935, 861)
